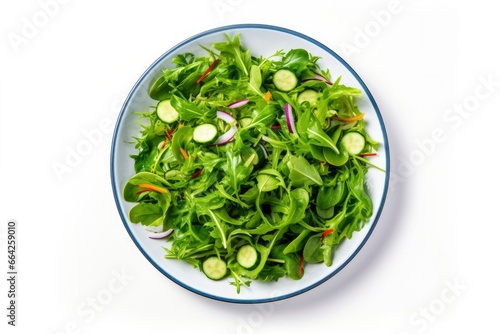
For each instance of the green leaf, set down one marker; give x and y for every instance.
(180, 139)
(329, 196)
(299, 200)
(187, 110)
(296, 60)
(265, 117)
(266, 182)
(255, 80)
(131, 188)
(312, 250)
(298, 243)
(302, 172)
(146, 214)
(318, 137)
(232, 49)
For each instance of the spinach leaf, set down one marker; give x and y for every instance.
(296, 60)
(312, 250)
(302, 172)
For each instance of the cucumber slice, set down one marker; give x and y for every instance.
(166, 112)
(354, 142)
(214, 268)
(308, 95)
(205, 133)
(285, 80)
(247, 256)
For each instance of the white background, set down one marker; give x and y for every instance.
(430, 263)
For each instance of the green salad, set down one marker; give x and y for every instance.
(251, 168)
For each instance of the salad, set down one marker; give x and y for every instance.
(251, 168)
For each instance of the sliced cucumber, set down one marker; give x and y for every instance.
(247, 256)
(205, 133)
(285, 80)
(166, 112)
(354, 142)
(308, 95)
(214, 268)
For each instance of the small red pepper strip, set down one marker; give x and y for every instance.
(329, 231)
(275, 127)
(198, 173)
(209, 69)
(163, 143)
(301, 266)
(169, 134)
(373, 154)
(151, 187)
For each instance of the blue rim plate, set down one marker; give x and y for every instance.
(261, 40)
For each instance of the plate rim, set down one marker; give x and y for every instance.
(116, 191)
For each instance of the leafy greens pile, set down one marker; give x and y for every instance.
(288, 188)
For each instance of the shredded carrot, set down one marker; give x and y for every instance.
(151, 187)
(267, 97)
(349, 119)
(183, 152)
(163, 143)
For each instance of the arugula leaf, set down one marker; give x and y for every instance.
(255, 80)
(231, 49)
(318, 137)
(187, 111)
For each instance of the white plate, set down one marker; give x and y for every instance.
(261, 40)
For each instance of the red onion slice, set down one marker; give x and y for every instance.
(226, 137)
(290, 122)
(226, 117)
(160, 235)
(239, 103)
(319, 77)
(323, 78)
